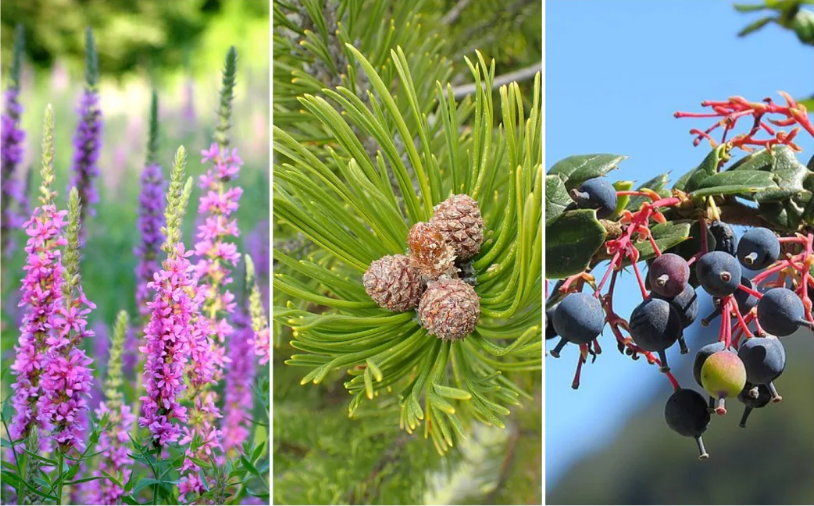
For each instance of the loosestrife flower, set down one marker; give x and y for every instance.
(216, 255)
(88, 139)
(114, 443)
(239, 377)
(12, 138)
(66, 379)
(167, 334)
(41, 295)
(260, 339)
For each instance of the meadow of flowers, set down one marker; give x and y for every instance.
(135, 272)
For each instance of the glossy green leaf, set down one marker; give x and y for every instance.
(556, 197)
(571, 240)
(577, 169)
(656, 184)
(666, 236)
(621, 202)
(731, 183)
(693, 179)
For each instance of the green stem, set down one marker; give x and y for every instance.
(60, 460)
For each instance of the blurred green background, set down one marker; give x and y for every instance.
(177, 47)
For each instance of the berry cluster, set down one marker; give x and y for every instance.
(427, 276)
(748, 356)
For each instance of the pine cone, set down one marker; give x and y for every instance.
(460, 222)
(393, 283)
(430, 253)
(449, 309)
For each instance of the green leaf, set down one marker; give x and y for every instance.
(146, 482)
(621, 202)
(556, 197)
(693, 179)
(248, 465)
(789, 173)
(666, 236)
(129, 500)
(577, 169)
(734, 182)
(258, 451)
(571, 240)
(755, 26)
(656, 184)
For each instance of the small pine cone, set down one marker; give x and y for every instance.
(429, 252)
(460, 222)
(449, 309)
(393, 283)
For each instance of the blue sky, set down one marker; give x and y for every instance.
(615, 73)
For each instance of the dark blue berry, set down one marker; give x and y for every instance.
(780, 312)
(764, 359)
(758, 248)
(686, 303)
(719, 273)
(579, 318)
(655, 325)
(596, 194)
(725, 238)
(753, 396)
(550, 333)
(686, 413)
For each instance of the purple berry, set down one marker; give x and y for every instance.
(719, 273)
(668, 275)
(596, 194)
(686, 303)
(758, 248)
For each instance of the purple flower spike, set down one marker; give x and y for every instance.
(168, 338)
(42, 296)
(87, 143)
(151, 214)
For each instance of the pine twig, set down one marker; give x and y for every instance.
(518, 75)
(454, 13)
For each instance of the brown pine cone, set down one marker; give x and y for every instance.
(393, 283)
(459, 220)
(449, 309)
(429, 253)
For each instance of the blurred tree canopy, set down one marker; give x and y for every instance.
(157, 34)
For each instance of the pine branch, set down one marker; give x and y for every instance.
(453, 15)
(516, 76)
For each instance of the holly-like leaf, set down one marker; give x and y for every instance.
(572, 238)
(692, 180)
(656, 184)
(622, 202)
(734, 182)
(757, 160)
(577, 169)
(556, 197)
(666, 235)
